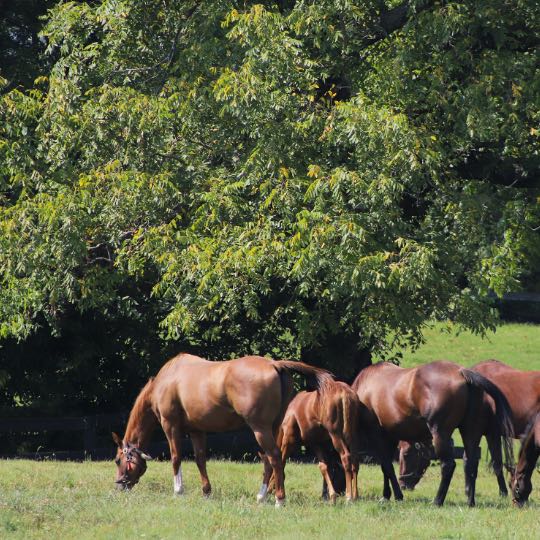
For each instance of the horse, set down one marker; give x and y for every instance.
(193, 395)
(414, 459)
(319, 419)
(520, 483)
(522, 391)
(428, 403)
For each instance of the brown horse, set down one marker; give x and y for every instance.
(414, 459)
(192, 395)
(522, 391)
(529, 452)
(318, 419)
(428, 403)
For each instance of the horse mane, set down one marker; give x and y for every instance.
(529, 428)
(138, 416)
(527, 450)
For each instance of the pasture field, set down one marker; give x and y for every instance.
(77, 500)
(515, 344)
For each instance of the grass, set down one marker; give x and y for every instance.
(77, 500)
(515, 344)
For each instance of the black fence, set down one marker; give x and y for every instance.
(96, 442)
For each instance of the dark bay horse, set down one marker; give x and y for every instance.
(522, 391)
(318, 419)
(529, 452)
(428, 403)
(193, 395)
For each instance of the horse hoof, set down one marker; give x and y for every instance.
(384, 500)
(179, 492)
(280, 503)
(261, 498)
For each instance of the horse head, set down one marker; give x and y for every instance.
(521, 487)
(414, 459)
(130, 462)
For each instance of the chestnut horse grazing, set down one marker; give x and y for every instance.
(318, 419)
(428, 403)
(522, 391)
(528, 456)
(193, 395)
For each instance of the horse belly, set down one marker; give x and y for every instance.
(215, 419)
(411, 428)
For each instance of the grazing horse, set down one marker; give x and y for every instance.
(414, 459)
(318, 419)
(428, 403)
(193, 395)
(520, 484)
(522, 391)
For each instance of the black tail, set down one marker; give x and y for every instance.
(503, 413)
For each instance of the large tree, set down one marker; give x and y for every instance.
(306, 178)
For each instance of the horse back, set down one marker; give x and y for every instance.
(405, 399)
(218, 396)
(521, 389)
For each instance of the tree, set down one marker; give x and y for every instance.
(302, 178)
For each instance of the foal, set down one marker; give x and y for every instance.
(318, 419)
(192, 395)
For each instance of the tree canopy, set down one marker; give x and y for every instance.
(294, 178)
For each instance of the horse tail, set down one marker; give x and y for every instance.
(317, 378)
(346, 412)
(503, 412)
(351, 421)
(287, 391)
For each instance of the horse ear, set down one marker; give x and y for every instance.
(117, 440)
(145, 456)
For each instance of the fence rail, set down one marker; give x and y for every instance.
(234, 444)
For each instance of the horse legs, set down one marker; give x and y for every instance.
(385, 449)
(198, 440)
(346, 461)
(444, 452)
(174, 436)
(494, 445)
(470, 462)
(265, 439)
(322, 456)
(287, 441)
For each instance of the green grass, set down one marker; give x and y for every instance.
(515, 344)
(77, 500)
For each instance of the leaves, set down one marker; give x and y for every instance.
(270, 177)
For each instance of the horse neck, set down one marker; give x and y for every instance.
(528, 455)
(142, 419)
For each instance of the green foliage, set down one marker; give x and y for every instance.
(273, 177)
